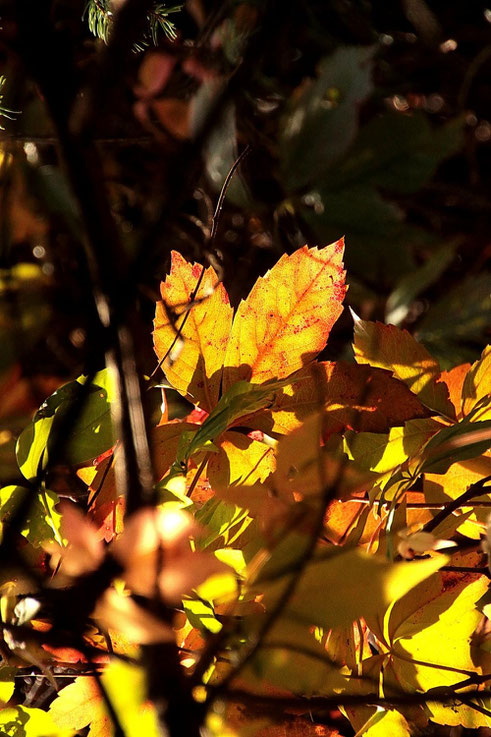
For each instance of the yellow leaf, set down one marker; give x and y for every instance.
(127, 690)
(194, 365)
(306, 467)
(287, 317)
(440, 488)
(381, 723)
(428, 631)
(381, 453)
(476, 391)
(240, 460)
(391, 348)
(338, 588)
(22, 721)
(80, 704)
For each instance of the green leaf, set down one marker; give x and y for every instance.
(91, 434)
(221, 520)
(31, 445)
(417, 281)
(42, 521)
(398, 153)
(241, 399)
(460, 442)
(324, 119)
(460, 338)
(201, 615)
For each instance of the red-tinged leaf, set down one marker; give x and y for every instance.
(240, 460)
(353, 396)
(79, 705)
(388, 347)
(65, 654)
(287, 317)
(194, 365)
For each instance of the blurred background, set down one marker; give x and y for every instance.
(355, 118)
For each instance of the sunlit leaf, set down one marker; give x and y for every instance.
(476, 392)
(42, 522)
(352, 396)
(391, 348)
(22, 721)
(287, 317)
(240, 460)
(194, 368)
(360, 585)
(382, 453)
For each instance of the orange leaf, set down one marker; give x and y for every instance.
(388, 347)
(287, 317)
(356, 397)
(194, 365)
(476, 391)
(454, 379)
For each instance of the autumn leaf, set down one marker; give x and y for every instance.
(388, 347)
(441, 488)
(352, 396)
(79, 705)
(454, 379)
(476, 392)
(287, 317)
(194, 365)
(354, 584)
(381, 453)
(240, 460)
(427, 635)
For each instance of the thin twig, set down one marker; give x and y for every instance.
(473, 491)
(213, 231)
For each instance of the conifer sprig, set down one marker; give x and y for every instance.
(100, 16)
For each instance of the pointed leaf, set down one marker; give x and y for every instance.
(195, 369)
(460, 442)
(391, 348)
(287, 317)
(476, 392)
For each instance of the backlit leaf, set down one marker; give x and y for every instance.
(195, 369)
(391, 348)
(287, 317)
(459, 442)
(381, 453)
(476, 392)
(428, 631)
(353, 396)
(22, 721)
(359, 585)
(240, 460)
